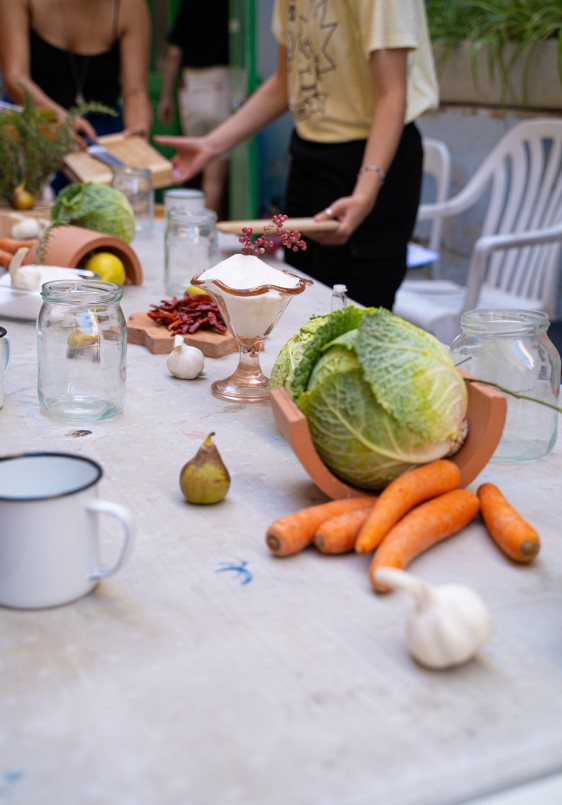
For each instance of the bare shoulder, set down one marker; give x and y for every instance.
(132, 13)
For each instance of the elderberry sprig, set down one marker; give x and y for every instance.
(290, 240)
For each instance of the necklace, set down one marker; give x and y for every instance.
(78, 75)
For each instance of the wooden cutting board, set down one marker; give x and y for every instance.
(143, 330)
(79, 166)
(302, 224)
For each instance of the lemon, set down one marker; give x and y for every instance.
(108, 267)
(193, 290)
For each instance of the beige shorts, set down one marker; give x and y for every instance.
(205, 99)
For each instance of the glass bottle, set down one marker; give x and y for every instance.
(81, 350)
(511, 348)
(191, 247)
(339, 297)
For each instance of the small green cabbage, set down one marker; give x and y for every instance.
(381, 396)
(95, 206)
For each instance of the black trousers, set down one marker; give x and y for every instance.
(373, 262)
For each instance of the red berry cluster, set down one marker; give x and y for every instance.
(291, 240)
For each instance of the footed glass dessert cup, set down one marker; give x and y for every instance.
(250, 314)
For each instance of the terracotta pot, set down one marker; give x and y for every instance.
(68, 246)
(485, 416)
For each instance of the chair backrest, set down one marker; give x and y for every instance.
(524, 174)
(437, 164)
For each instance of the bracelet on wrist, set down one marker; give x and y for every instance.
(135, 91)
(373, 169)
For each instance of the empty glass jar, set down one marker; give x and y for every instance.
(191, 247)
(136, 184)
(81, 350)
(511, 348)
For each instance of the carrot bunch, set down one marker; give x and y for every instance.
(9, 246)
(414, 512)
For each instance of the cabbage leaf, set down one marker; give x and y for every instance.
(357, 438)
(99, 207)
(412, 375)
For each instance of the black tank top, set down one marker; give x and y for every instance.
(62, 74)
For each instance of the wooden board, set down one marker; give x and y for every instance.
(141, 329)
(133, 151)
(302, 224)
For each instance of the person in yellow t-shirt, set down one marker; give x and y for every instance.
(355, 75)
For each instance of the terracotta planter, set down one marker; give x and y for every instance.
(486, 417)
(68, 246)
(463, 80)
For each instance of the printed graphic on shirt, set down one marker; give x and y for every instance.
(311, 60)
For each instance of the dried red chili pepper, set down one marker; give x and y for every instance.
(188, 314)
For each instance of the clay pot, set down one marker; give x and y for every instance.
(485, 416)
(68, 246)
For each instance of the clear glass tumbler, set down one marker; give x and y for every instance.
(81, 350)
(191, 247)
(136, 185)
(510, 348)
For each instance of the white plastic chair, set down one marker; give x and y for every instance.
(515, 262)
(437, 165)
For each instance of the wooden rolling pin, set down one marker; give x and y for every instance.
(303, 225)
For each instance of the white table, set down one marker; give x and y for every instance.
(176, 683)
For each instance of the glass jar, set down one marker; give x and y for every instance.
(136, 185)
(191, 247)
(81, 350)
(511, 348)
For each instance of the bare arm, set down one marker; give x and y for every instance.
(134, 47)
(389, 79)
(264, 106)
(171, 68)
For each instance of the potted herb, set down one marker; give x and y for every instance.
(32, 145)
(509, 50)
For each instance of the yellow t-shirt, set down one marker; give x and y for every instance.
(329, 43)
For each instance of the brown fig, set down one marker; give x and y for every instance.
(205, 479)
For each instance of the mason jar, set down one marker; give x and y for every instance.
(81, 350)
(136, 185)
(510, 348)
(191, 246)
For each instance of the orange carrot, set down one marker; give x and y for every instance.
(424, 526)
(403, 494)
(513, 535)
(5, 258)
(12, 245)
(338, 534)
(293, 532)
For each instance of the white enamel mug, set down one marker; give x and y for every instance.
(4, 360)
(49, 538)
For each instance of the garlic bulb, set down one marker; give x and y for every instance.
(24, 278)
(185, 362)
(26, 228)
(27, 278)
(449, 624)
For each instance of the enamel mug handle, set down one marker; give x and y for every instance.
(6, 354)
(126, 519)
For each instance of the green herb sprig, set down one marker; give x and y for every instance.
(32, 144)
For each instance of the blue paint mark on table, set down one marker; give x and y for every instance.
(239, 567)
(8, 781)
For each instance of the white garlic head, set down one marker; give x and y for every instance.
(449, 624)
(184, 361)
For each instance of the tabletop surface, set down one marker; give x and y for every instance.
(208, 671)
